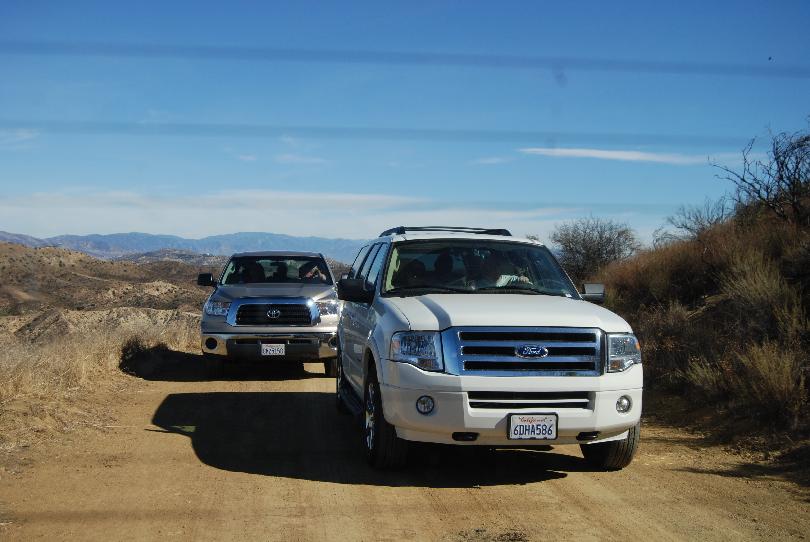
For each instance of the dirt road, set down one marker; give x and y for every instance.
(264, 456)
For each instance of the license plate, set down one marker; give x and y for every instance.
(532, 427)
(273, 349)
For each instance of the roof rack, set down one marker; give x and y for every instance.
(400, 230)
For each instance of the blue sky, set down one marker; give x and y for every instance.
(305, 184)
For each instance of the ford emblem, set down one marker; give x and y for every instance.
(531, 351)
(273, 313)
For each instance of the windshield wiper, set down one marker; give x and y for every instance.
(430, 287)
(517, 290)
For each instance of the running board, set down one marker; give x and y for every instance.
(352, 402)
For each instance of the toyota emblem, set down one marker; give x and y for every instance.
(273, 313)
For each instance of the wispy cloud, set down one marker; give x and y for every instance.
(291, 158)
(247, 157)
(333, 214)
(17, 139)
(490, 160)
(620, 155)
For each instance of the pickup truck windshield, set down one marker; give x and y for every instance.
(276, 269)
(470, 266)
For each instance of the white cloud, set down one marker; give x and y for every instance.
(347, 215)
(490, 160)
(247, 157)
(17, 139)
(621, 155)
(290, 158)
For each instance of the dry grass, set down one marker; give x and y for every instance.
(723, 318)
(45, 387)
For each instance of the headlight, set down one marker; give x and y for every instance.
(623, 352)
(422, 349)
(329, 307)
(217, 308)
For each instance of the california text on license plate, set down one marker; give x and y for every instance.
(273, 349)
(532, 426)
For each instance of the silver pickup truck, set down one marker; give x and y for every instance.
(271, 306)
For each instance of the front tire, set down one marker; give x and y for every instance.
(613, 455)
(340, 384)
(384, 449)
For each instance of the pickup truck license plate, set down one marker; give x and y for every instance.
(532, 427)
(273, 349)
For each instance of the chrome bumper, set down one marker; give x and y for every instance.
(298, 346)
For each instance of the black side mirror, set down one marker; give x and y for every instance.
(205, 279)
(356, 290)
(593, 292)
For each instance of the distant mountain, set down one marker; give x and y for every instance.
(20, 239)
(117, 245)
(175, 255)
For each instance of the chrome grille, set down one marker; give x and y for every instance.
(288, 315)
(495, 351)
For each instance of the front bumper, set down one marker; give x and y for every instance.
(299, 346)
(453, 414)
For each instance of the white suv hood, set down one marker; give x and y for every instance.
(436, 312)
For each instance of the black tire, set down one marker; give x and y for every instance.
(214, 366)
(613, 455)
(340, 384)
(384, 449)
(330, 367)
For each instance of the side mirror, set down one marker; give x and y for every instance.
(356, 290)
(205, 279)
(594, 292)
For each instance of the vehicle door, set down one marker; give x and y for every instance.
(350, 342)
(365, 317)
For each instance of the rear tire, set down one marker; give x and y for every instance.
(384, 449)
(613, 455)
(330, 367)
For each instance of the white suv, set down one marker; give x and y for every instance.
(472, 337)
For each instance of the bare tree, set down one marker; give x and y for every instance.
(588, 244)
(693, 220)
(781, 182)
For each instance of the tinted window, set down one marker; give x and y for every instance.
(374, 271)
(369, 261)
(358, 261)
(264, 269)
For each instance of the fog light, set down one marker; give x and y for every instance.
(210, 343)
(623, 404)
(425, 404)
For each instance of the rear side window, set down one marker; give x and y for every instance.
(358, 261)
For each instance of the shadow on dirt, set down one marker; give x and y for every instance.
(300, 435)
(164, 364)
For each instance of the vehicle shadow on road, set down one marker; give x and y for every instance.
(164, 364)
(300, 435)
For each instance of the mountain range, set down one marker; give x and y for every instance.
(117, 245)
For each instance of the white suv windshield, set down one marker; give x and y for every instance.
(471, 266)
(274, 269)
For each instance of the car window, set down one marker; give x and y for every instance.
(358, 261)
(369, 260)
(376, 266)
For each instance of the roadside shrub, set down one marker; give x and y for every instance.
(770, 383)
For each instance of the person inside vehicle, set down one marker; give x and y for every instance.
(311, 272)
(253, 272)
(280, 274)
(497, 272)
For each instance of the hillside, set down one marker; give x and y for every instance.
(54, 278)
(122, 244)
